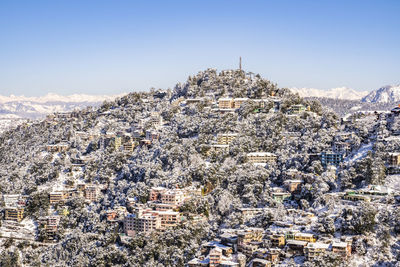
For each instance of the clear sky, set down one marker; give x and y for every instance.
(109, 47)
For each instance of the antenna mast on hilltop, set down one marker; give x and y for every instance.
(240, 63)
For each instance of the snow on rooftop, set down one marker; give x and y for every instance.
(260, 154)
(339, 244)
(318, 245)
(296, 242)
(220, 146)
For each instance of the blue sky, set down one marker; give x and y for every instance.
(109, 47)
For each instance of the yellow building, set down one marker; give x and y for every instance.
(226, 139)
(237, 102)
(225, 103)
(261, 157)
(57, 197)
(277, 240)
(117, 142)
(14, 213)
(305, 237)
(129, 146)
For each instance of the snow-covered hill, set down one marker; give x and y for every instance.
(385, 94)
(335, 93)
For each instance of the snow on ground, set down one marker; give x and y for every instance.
(345, 117)
(355, 108)
(24, 230)
(393, 182)
(360, 154)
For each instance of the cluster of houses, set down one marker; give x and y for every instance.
(160, 212)
(143, 132)
(14, 207)
(87, 191)
(259, 247)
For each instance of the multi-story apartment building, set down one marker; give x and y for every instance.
(342, 248)
(134, 223)
(146, 219)
(305, 237)
(117, 142)
(14, 199)
(225, 103)
(316, 249)
(226, 139)
(261, 157)
(331, 158)
(168, 218)
(15, 213)
(215, 257)
(50, 225)
(155, 193)
(172, 197)
(129, 146)
(91, 193)
(237, 102)
(57, 197)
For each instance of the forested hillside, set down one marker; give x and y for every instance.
(183, 154)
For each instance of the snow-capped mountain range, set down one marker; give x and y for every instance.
(16, 109)
(335, 93)
(36, 107)
(50, 97)
(385, 94)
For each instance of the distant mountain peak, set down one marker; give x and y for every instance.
(334, 93)
(385, 94)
